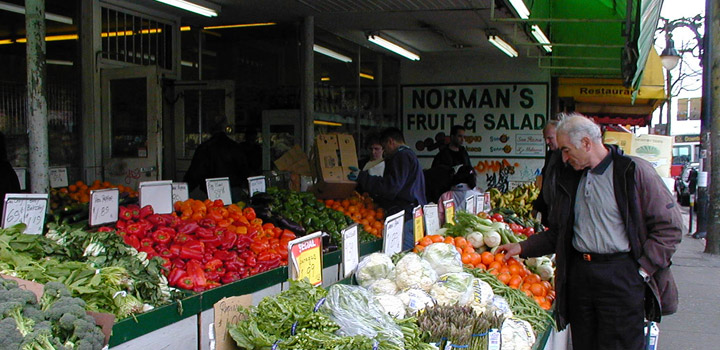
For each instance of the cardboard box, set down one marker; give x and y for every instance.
(334, 154)
(226, 313)
(294, 161)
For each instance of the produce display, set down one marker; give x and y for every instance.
(57, 322)
(361, 209)
(70, 204)
(454, 326)
(518, 200)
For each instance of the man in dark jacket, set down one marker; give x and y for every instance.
(8, 178)
(614, 229)
(545, 199)
(448, 159)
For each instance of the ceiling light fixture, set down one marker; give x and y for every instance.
(377, 40)
(330, 53)
(520, 8)
(21, 10)
(502, 45)
(59, 62)
(323, 122)
(367, 76)
(228, 26)
(540, 37)
(324, 78)
(192, 7)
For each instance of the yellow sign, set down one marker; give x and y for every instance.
(449, 211)
(306, 257)
(419, 228)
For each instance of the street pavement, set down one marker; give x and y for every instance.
(696, 325)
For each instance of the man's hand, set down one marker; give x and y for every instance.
(354, 173)
(510, 250)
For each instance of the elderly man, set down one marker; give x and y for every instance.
(614, 228)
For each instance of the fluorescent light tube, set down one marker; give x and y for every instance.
(59, 62)
(324, 78)
(192, 7)
(49, 16)
(330, 53)
(502, 45)
(367, 76)
(520, 8)
(540, 37)
(394, 47)
(323, 122)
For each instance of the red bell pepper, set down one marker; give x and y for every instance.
(170, 220)
(225, 255)
(181, 238)
(121, 224)
(203, 232)
(259, 246)
(195, 271)
(132, 241)
(186, 283)
(105, 229)
(161, 237)
(151, 253)
(136, 230)
(213, 264)
(175, 250)
(178, 263)
(251, 261)
(192, 250)
(228, 240)
(249, 214)
(230, 277)
(218, 203)
(134, 211)
(187, 227)
(125, 213)
(207, 223)
(166, 254)
(212, 276)
(234, 265)
(146, 242)
(243, 242)
(146, 211)
(166, 264)
(175, 276)
(157, 220)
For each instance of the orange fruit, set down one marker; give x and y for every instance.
(426, 241)
(515, 281)
(460, 242)
(468, 249)
(538, 289)
(449, 240)
(436, 238)
(514, 269)
(499, 257)
(532, 278)
(481, 266)
(504, 269)
(495, 265)
(475, 258)
(504, 277)
(487, 258)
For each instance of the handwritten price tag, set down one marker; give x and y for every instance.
(158, 195)
(449, 211)
(306, 258)
(226, 315)
(418, 229)
(487, 204)
(479, 203)
(350, 253)
(470, 204)
(257, 184)
(393, 233)
(432, 220)
(58, 177)
(219, 188)
(28, 209)
(103, 206)
(180, 192)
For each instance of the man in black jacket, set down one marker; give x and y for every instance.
(445, 162)
(8, 179)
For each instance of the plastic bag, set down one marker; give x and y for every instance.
(500, 306)
(453, 289)
(443, 258)
(355, 310)
(391, 304)
(374, 267)
(415, 300)
(482, 295)
(413, 272)
(517, 335)
(383, 286)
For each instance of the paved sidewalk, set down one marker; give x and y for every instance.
(696, 325)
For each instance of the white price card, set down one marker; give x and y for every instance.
(470, 204)
(257, 184)
(180, 192)
(219, 188)
(350, 252)
(158, 195)
(393, 233)
(494, 339)
(487, 204)
(28, 209)
(22, 177)
(104, 206)
(479, 203)
(58, 177)
(702, 179)
(432, 219)
(305, 258)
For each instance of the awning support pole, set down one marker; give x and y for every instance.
(36, 99)
(307, 92)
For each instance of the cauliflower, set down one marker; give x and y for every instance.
(413, 272)
(391, 304)
(500, 306)
(383, 286)
(517, 334)
(415, 300)
(374, 267)
(443, 257)
(482, 295)
(453, 288)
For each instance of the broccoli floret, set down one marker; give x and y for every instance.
(13, 310)
(32, 312)
(17, 294)
(52, 292)
(86, 335)
(11, 337)
(65, 305)
(7, 284)
(40, 339)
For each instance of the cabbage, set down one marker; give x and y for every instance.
(391, 304)
(443, 257)
(374, 267)
(415, 300)
(383, 286)
(453, 288)
(413, 272)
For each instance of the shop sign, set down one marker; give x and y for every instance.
(687, 138)
(393, 233)
(306, 258)
(103, 206)
(28, 209)
(418, 229)
(501, 120)
(158, 195)
(350, 253)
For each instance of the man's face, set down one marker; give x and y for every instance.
(377, 151)
(389, 146)
(577, 157)
(458, 139)
(550, 137)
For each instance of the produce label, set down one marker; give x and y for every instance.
(449, 211)
(180, 192)
(226, 315)
(103, 206)
(58, 177)
(432, 220)
(393, 233)
(494, 339)
(306, 257)
(350, 253)
(418, 229)
(219, 188)
(28, 209)
(470, 204)
(256, 184)
(158, 195)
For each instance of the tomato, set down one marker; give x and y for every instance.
(529, 231)
(497, 217)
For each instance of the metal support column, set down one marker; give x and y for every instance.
(712, 52)
(36, 99)
(307, 91)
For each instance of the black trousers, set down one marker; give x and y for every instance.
(605, 304)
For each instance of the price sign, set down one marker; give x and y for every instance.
(487, 204)
(21, 175)
(58, 177)
(28, 209)
(449, 211)
(104, 206)
(219, 188)
(432, 220)
(393, 233)
(350, 253)
(479, 203)
(470, 204)
(180, 192)
(306, 258)
(702, 179)
(418, 229)
(158, 195)
(257, 184)
(494, 339)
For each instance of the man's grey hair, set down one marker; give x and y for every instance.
(551, 123)
(577, 126)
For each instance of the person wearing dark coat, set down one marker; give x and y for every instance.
(9, 182)
(445, 163)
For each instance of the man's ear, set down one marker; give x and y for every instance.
(585, 142)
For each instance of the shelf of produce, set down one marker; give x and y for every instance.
(134, 327)
(248, 285)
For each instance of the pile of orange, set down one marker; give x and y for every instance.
(512, 272)
(361, 209)
(80, 191)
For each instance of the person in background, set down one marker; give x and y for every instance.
(544, 201)
(253, 152)
(9, 182)
(463, 187)
(402, 186)
(219, 156)
(614, 229)
(448, 159)
(374, 164)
